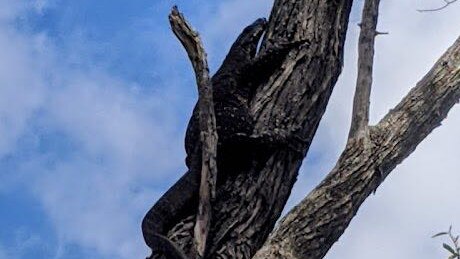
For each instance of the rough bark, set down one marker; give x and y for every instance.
(293, 100)
(312, 227)
(366, 45)
(195, 50)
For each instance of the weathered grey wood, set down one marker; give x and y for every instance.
(312, 227)
(195, 50)
(292, 101)
(366, 45)
(294, 98)
(290, 104)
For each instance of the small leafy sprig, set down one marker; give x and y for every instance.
(453, 249)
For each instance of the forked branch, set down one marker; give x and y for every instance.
(295, 96)
(326, 212)
(366, 46)
(313, 226)
(195, 50)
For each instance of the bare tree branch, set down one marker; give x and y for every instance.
(292, 99)
(446, 4)
(366, 45)
(195, 50)
(312, 227)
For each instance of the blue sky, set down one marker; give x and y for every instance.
(95, 97)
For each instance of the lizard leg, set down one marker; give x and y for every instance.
(242, 51)
(281, 139)
(266, 62)
(277, 139)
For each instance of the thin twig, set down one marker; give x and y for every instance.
(361, 103)
(446, 4)
(195, 50)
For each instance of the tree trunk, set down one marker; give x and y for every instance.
(312, 227)
(248, 206)
(290, 104)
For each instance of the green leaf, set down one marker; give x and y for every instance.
(440, 234)
(450, 249)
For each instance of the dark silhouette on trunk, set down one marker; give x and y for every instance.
(260, 112)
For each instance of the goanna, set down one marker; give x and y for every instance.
(233, 87)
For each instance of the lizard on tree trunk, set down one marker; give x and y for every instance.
(233, 88)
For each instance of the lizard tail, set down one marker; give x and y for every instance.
(161, 245)
(177, 202)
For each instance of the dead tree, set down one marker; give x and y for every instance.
(291, 102)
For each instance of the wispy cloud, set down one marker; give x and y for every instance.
(99, 148)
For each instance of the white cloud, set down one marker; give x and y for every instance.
(9, 9)
(21, 241)
(22, 88)
(91, 209)
(127, 145)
